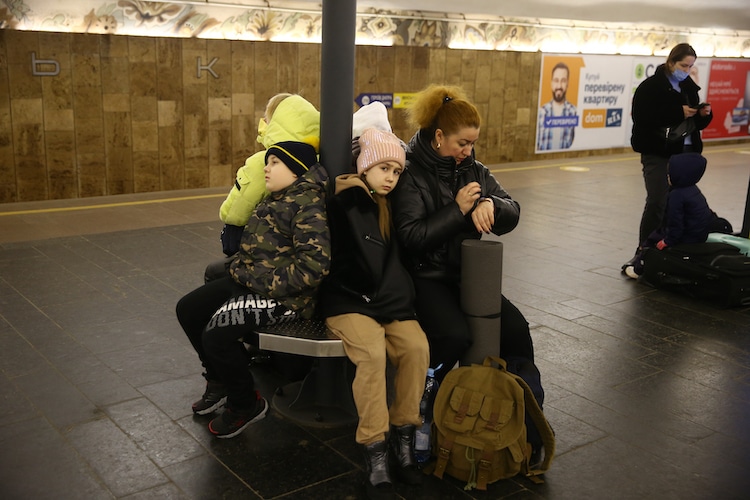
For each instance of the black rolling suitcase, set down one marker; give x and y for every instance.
(714, 271)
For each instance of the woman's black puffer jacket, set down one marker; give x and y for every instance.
(429, 224)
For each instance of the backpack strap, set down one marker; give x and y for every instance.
(443, 453)
(542, 425)
(463, 408)
(497, 359)
(485, 467)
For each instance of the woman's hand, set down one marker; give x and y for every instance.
(483, 215)
(688, 111)
(705, 110)
(467, 196)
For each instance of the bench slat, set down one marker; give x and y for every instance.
(304, 337)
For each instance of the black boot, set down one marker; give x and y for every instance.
(402, 451)
(378, 483)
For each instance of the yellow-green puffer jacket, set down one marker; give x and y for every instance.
(295, 119)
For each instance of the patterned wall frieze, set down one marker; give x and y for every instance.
(374, 27)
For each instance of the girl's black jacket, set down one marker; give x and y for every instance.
(658, 106)
(367, 275)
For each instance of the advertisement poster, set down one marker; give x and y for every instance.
(582, 102)
(585, 100)
(728, 91)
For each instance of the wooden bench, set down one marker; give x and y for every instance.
(324, 397)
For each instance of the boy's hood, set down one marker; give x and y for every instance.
(295, 119)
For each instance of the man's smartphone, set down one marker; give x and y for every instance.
(702, 105)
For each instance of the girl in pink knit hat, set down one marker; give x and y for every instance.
(367, 301)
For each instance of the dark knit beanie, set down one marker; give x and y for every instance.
(297, 156)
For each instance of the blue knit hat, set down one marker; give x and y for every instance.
(297, 156)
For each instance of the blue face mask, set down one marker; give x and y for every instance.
(680, 75)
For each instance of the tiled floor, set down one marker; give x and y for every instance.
(648, 392)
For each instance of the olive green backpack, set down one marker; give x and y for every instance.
(479, 426)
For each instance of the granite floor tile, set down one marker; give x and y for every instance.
(162, 492)
(37, 462)
(99, 383)
(214, 480)
(175, 396)
(14, 405)
(25, 358)
(57, 398)
(123, 467)
(273, 445)
(164, 442)
(153, 362)
(101, 335)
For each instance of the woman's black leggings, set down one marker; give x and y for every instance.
(439, 310)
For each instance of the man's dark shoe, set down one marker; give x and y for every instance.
(214, 398)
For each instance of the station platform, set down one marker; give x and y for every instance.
(648, 392)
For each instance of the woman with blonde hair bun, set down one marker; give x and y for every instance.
(446, 196)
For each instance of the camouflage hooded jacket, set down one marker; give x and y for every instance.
(286, 246)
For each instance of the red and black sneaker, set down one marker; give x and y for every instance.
(214, 398)
(232, 422)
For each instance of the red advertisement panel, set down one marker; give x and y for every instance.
(729, 95)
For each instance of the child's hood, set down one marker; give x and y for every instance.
(686, 169)
(349, 181)
(295, 119)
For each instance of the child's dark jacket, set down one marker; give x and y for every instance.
(688, 215)
(367, 275)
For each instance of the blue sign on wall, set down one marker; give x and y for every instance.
(365, 99)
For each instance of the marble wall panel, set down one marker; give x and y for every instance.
(243, 67)
(61, 160)
(309, 78)
(196, 173)
(218, 72)
(221, 170)
(92, 173)
(32, 178)
(146, 175)
(172, 147)
(169, 69)
(133, 114)
(264, 75)
(119, 163)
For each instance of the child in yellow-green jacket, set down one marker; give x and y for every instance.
(288, 117)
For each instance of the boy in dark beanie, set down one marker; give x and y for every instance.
(297, 157)
(284, 255)
(688, 216)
